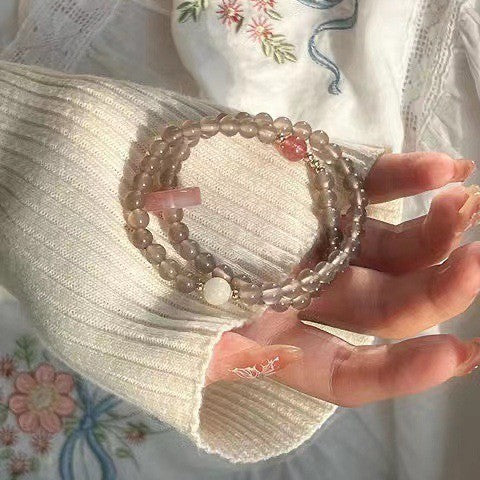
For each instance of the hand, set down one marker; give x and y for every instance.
(398, 286)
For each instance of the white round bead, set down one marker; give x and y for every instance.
(217, 291)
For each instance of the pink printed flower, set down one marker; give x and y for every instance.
(259, 29)
(41, 399)
(8, 436)
(263, 5)
(19, 464)
(7, 366)
(41, 442)
(230, 11)
(136, 433)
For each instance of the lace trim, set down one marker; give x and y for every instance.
(57, 32)
(429, 59)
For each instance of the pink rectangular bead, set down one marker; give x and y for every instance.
(174, 198)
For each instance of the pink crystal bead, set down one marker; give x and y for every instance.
(293, 148)
(174, 198)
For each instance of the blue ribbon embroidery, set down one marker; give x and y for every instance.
(336, 24)
(85, 430)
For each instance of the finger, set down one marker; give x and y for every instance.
(236, 357)
(369, 374)
(424, 241)
(369, 301)
(401, 175)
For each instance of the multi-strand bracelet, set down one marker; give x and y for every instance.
(152, 185)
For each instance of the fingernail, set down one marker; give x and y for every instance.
(281, 356)
(462, 169)
(470, 211)
(473, 359)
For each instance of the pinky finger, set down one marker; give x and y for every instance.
(369, 374)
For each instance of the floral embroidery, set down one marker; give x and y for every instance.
(7, 366)
(8, 436)
(231, 13)
(47, 411)
(267, 6)
(41, 399)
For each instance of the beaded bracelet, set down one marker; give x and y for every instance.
(151, 185)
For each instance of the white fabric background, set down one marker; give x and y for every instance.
(429, 436)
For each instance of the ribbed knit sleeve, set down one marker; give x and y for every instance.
(96, 302)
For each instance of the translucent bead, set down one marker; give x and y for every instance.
(191, 130)
(142, 181)
(134, 199)
(308, 280)
(229, 126)
(250, 294)
(302, 130)
(185, 284)
(138, 218)
(248, 129)
(188, 249)
(223, 271)
(292, 148)
(180, 150)
(172, 215)
(205, 262)
(267, 134)
(177, 232)
(301, 302)
(142, 238)
(172, 133)
(149, 164)
(263, 117)
(240, 280)
(155, 253)
(209, 127)
(282, 305)
(271, 294)
(158, 148)
(242, 116)
(318, 139)
(283, 125)
(333, 150)
(168, 269)
(291, 288)
(217, 291)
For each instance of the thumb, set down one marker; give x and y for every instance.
(236, 357)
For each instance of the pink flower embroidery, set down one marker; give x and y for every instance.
(230, 11)
(263, 5)
(7, 366)
(41, 442)
(19, 465)
(259, 29)
(8, 436)
(41, 399)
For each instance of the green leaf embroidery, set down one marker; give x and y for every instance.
(26, 350)
(122, 452)
(277, 48)
(191, 9)
(6, 453)
(273, 14)
(3, 413)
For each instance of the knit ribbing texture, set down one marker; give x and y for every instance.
(97, 303)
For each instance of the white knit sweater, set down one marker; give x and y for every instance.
(93, 298)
